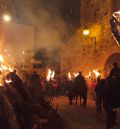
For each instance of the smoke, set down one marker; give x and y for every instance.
(50, 28)
(50, 31)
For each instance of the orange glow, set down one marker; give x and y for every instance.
(69, 76)
(8, 81)
(89, 75)
(95, 71)
(76, 74)
(1, 58)
(50, 75)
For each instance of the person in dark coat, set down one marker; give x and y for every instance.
(99, 95)
(111, 99)
(115, 71)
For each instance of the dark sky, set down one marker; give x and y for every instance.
(68, 9)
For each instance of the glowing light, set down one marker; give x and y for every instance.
(96, 72)
(76, 74)
(86, 32)
(1, 58)
(23, 52)
(8, 81)
(1, 84)
(69, 76)
(4, 67)
(50, 75)
(6, 18)
(89, 75)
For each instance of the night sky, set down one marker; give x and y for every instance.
(68, 9)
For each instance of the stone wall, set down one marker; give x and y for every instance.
(79, 52)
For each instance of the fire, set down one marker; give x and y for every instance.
(89, 75)
(1, 84)
(76, 74)
(4, 67)
(1, 58)
(50, 75)
(95, 71)
(69, 76)
(8, 81)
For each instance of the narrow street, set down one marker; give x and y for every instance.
(75, 117)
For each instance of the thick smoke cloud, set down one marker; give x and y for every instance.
(50, 29)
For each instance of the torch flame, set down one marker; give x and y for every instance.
(50, 75)
(8, 81)
(89, 75)
(1, 58)
(96, 72)
(69, 76)
(4, 67)
(76, 74)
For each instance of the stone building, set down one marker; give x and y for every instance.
(98, 50)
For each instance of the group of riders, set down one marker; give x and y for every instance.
(107, 91)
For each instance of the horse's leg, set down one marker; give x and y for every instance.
(84, 100)
(80, 100)
(76, 98)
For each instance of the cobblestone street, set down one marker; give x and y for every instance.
(76, 117)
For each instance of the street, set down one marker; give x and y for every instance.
(75, 117)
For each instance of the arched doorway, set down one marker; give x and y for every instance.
(113, 58)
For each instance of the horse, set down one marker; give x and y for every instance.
(80, 90)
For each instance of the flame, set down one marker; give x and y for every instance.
(1, 58)
(4, 67)
(50, 75)
(8, 81)
(1, 84)
(96, 72)
(89, 75)
(69, 76)
(76, 74)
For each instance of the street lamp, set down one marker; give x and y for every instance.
(86, 32)
(6, 18)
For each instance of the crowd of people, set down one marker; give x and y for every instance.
(106, 92)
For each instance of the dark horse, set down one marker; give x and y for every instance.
(80, 90)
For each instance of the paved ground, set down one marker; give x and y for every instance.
(76, 117)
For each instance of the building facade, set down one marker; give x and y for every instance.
(99, 49)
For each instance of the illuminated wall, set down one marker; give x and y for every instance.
(79, 54)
